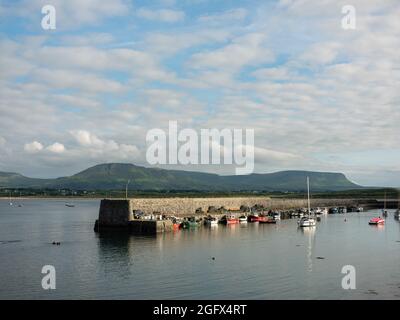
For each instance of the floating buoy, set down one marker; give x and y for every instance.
(213, 258)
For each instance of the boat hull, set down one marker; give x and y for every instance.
(266, 220)
(376, 221)
(253, 218)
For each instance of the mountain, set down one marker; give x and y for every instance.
(113, 176)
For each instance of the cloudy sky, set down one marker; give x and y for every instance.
(318, 96)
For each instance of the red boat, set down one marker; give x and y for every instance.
(230, 220)
(253, 218)
(377, 221)
(266, 220)
(176, 226)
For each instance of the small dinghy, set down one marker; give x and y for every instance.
(243, 219)
(376, 221)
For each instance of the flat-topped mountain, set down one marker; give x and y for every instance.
(113, 176)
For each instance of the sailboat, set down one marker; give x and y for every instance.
(384, 211)
(10, 199)
(397, 213)
(307, 221)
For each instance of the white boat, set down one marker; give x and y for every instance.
(276, 215)
(211, 221)
(307, 221)
(242, 219)
(321, 210)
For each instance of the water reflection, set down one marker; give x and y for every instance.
(310, 233)
(121, 246)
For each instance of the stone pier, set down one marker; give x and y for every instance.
(118, 214)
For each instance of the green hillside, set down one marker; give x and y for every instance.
(114, 176)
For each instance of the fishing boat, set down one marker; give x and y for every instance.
(266, 219)
(70, 205)
(189, 223)
(342, 210)
(321, 211)
(276, 215)
(253, 217)
(307, 221)
(231, 219)
(176, 222)
(243, 219)
(333, 210)
(377, 221)
(211, 221)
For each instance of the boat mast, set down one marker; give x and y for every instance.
(384, 203)
(308, 196)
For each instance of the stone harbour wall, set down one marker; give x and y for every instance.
(188, 206)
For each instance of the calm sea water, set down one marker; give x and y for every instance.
(251, 261)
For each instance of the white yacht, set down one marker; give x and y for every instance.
(307, 221)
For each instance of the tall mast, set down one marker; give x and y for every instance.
(308, 195)
(384, 204)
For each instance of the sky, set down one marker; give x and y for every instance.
(318, 96)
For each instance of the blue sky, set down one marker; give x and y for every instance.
(319, 97)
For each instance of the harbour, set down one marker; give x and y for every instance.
(138, 215)
(235, 261)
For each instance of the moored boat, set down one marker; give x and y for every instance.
(307, 221)
(189, 223)
(231, 219)
(377, 221)
(266, 219)
(276, 215)
(243, 219)
(333, 210)
(211, 221)
(253, 218)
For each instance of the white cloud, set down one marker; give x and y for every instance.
(72, 14)
(321, 53)
(104, 149)
(272, 74)
(249, 49)
(33, 147)
(227, 16)
(161, 15)
(86, 139)
(56, 148)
